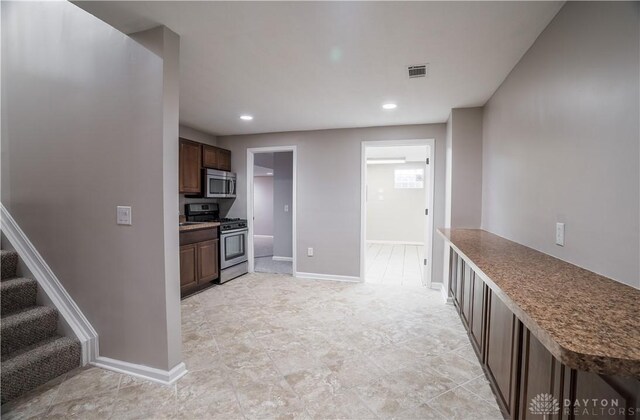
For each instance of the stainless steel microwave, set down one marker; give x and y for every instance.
(219, 184)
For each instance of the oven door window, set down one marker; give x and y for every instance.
(234, 246)
(217, 186)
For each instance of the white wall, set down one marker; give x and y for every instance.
(561, 142)
(84, 114)
(328, 217)
(394, 214)
(263, 205)
(282, 196)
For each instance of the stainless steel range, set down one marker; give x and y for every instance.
(233, 238)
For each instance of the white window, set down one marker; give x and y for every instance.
(409, 178)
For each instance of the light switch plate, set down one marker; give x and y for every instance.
(560, 234)
(310, 252)
(123, 215)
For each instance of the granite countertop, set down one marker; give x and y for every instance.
(203, 225)
(587, 321)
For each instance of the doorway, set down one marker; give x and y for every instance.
(271, 209)
(397, 220)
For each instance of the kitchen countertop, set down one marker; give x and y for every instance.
(203, 225)
(587, 321)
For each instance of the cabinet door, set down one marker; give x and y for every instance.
(466, 301)
(207, 261)
(501, 353)
(476, 328)
(459, 283)
(224, 160)
(540, 374)
(188, 267)
(209, 157)
(453, 266)
(602, 396)
(189, 167)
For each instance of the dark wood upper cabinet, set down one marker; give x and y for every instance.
(216, 158)
(224, 160)
(502, 348)
(189, 167)
(209, 157)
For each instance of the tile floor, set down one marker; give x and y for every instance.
(263, 261)
(394, 264)
(271, 346)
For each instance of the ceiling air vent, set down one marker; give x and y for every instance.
(417, 70)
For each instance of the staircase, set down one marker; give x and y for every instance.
(32, 351)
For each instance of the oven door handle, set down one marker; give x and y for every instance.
(234, 231)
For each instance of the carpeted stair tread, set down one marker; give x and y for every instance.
(8, 263)
(17, 294)
(27, 327)
(37, 364)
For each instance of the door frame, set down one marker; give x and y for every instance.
(250, 200)
(429, 199)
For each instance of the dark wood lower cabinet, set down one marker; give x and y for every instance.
(188, 267)
(199, 260)
(502, 352)
(478, 318)
(540, 374)
(208, 261)
(521, 370)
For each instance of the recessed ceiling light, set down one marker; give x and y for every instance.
(389, 106)
(269, 173)
(246, 117)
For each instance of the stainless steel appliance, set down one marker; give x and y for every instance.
(233, 238)
(219, 184)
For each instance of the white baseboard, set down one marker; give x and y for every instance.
(317, 276)
(276, 258)
(263, 236)
(165, 377)
(445, 294)
(51, 286)
(396, 243)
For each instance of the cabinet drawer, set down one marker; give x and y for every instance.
(191, 237)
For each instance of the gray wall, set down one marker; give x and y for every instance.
(466, 167)
(282, 196)
(394, 214)
(166, 44)
(328, 173)
(82, 132)
(263, 205)
(561, 142)
(189, 133)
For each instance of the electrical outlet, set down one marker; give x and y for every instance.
(309, 252)
(286, 208)
(123, 215)
(560, 234)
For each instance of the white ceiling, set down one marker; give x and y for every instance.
(314, 65)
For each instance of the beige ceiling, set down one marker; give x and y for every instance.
(313, 65)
